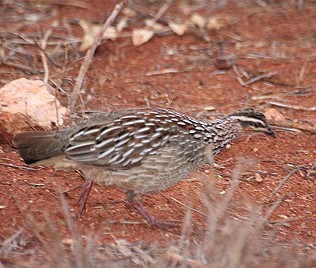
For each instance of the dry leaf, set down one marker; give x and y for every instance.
(198, 20)
(141, 36)
(129, 12)
(185, 8)
(121, 25)
(216, 23)
(178, 28)
(2, 53)
(90, 30)
(110, 33)
(154, 25)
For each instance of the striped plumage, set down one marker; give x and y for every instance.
(138, 150)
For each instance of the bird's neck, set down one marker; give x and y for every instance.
(223, 132)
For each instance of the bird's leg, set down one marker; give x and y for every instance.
(82, 200)
(134, 201)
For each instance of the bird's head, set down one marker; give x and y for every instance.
(252, 120)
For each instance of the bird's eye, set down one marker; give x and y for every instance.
(256, 125)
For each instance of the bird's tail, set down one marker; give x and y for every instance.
(36, 146)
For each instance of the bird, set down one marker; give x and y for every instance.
(138, 150)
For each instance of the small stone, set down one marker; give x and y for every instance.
(198, 20)
(67, 241)
(258, 178)
(209, 108)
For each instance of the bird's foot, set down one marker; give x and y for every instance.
(150, 218)
(83, 197)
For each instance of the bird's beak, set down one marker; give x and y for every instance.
(270, 132)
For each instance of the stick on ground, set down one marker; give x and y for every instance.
(89, 55)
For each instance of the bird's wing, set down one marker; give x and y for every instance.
(121, 143)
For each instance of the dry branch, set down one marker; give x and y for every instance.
(89, 55)
(256, 78)
(295, 107)
(284, 181)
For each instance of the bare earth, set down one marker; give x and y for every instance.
(257, 39)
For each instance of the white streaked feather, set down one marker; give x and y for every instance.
(121, 143)
(78, 134)
(103, 143)
(200, 128)
(197, 136)
(156, 144)
(121, 137)
(146, 141)
(92, 131)
(107, 130)
(127, 161)
(180, 123)
(143, 129)
(106, 153)
(134, 122)
(150, 124)
(155, 135)
(140, 136)
(146, 150)
(128, 153)
(79, 145)
(130, 116)
(137, 145)
(136, 159)
(114, 158)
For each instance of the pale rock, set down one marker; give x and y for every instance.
(25, 104)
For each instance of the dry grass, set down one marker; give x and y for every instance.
(233, 238)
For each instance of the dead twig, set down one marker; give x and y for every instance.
(311, 171)
(173, 254)
(160, 12)
(284, 181)
(256, 78)
(295, 107)
(300, 5)
(186, 206)
(22, 67)
(168, 71)
(19, 167)
(80, 4)
(205, 35)
(43, 45)
(285, 221)
(7, 244)
(89, 55)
